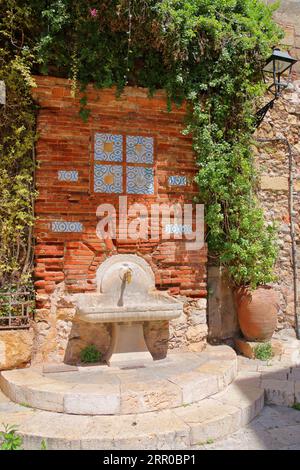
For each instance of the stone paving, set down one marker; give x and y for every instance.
(276, 428)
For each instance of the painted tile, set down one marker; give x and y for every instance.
(139, 180)
(63, 226)
(70, 175)
(139, 149)
(108, 147)
(177, 180)
(178, 229)
(108, 178)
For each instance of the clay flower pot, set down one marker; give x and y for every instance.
(257, 312)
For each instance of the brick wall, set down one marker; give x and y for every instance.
(66, 262)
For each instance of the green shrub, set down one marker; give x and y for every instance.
(263, 351)
(90, 354)
(9, 440)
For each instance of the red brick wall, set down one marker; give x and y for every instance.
(66, 143)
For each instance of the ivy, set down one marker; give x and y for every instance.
(208, 52)
(17, 137)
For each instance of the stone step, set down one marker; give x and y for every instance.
(177, 428)
(180, 379)
(280, 381)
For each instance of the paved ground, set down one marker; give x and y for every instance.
(276, 428)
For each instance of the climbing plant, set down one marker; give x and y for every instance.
(17, 137)
(207, 52)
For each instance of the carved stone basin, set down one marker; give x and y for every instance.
(126, 297)
(97, 308)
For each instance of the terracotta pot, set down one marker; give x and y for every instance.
(257, 312)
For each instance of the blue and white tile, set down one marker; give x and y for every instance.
(178, 229)
(177, 180)
(67, 175)
(139, 149)
(64, 226)
(108, 147)
(139, 180)
(108, 178)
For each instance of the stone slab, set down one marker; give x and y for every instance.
(178, 428)
(93, 400)
(15, 348)
(278, 392)
(100, 390)
(247, 348)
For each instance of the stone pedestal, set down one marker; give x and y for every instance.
(128, 347)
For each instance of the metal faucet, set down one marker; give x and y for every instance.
(127, 276)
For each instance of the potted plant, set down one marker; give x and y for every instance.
(257, 312)
(250, 254)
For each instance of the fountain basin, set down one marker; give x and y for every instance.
(97, 308)
(126, 298)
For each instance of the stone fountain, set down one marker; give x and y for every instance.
(126, 297)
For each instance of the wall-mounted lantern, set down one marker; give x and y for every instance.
(2, 92)
(278, 66)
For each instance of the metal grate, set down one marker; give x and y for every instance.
(16, 309)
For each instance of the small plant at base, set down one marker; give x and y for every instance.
(296, 406)
(9, 440)
(43, 445)
(90, 354)
(26, 405)
(263, 351)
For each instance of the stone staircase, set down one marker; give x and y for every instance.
(186, 400)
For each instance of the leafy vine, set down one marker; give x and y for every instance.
(207, 52)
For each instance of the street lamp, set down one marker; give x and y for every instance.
(278, 65)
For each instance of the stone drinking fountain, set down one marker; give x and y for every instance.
(126, 297)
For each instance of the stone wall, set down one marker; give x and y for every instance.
(68, 251)
(272, 158)
(15, 348)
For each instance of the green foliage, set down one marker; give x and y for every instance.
(263, 351)
(296, 406)
(17, 137)
(90, 354)
(44, 445)
(209, 52)
(9, 440)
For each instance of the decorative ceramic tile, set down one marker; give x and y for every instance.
(139, 180)
(177, 180)
(64, 175)
(63, 226)
(108, 147)
(139, 149)
(108, 178)
(178, 229)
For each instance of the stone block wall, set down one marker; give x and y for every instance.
(68, 251)
(273, 163)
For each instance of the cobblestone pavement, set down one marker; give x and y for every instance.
(276, 428)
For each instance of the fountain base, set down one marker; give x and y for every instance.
(128, 346)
